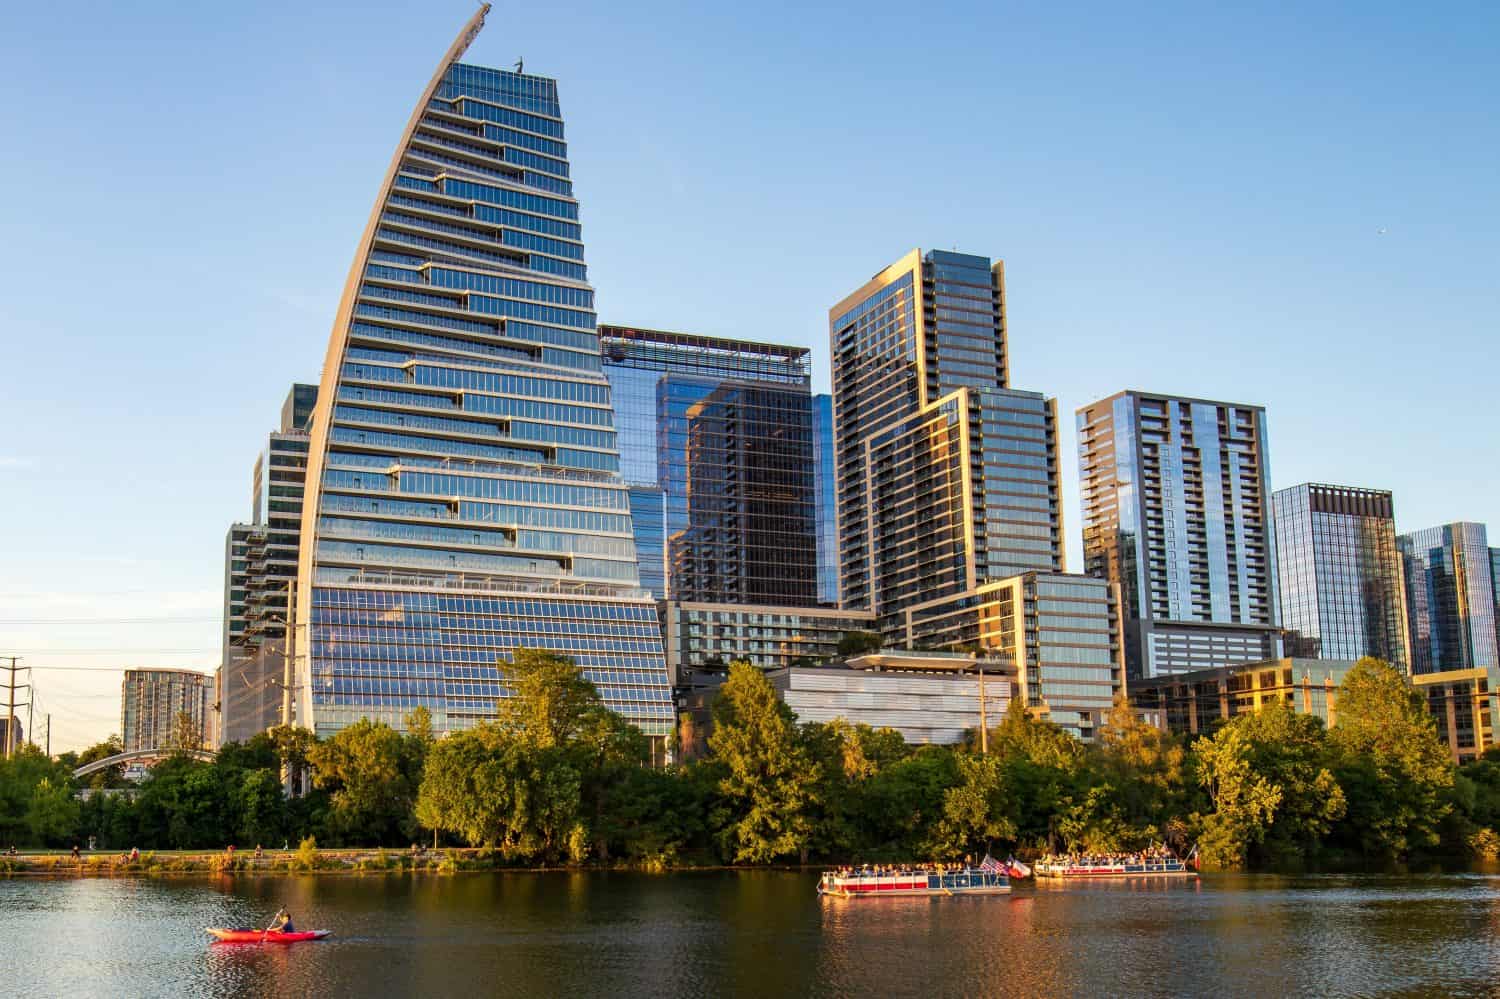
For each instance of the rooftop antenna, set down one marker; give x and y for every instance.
(520, 65)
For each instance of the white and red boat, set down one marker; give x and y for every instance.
(1114, 867)
(896, 884)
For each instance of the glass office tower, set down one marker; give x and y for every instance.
(1450, 598)
(1339, 574)
(826, 504)
(1176, 509)
(946, 478)
(723, 431)
(465, 496)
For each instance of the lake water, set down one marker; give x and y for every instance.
(761, 933)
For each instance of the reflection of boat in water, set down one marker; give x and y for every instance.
(1116, 866)
(895, 884)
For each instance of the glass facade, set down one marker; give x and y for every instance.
(1450, 599)
(1339, 573)
(1176, 509)
(729, 427)
(1062, 633)
(826, 502)
(946, 478)
(468, 490)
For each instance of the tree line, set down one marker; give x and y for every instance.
(558, 777)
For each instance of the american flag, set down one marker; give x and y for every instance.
(990, 864)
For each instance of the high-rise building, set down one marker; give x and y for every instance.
(465, 497)
(260, 567)
(1450, 599)
(1495, 579)
(1062, 633)
(946, 478)
(1338, 573)
(826, 510)
(151, 700)
(1176, 509)
(720, 433)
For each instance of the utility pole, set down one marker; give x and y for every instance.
(11, 742)
(984, 725)
(288, 646)
(49, 735)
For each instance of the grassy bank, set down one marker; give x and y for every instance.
(299, 861)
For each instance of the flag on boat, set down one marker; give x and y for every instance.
(990, 865)
(1017, 869)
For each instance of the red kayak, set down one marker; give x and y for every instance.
(265, 936)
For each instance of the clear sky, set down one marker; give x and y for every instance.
(1294, 207)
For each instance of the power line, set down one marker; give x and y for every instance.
(105, 620)
(112, 669)
(119, 651)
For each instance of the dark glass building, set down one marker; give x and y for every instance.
(1450, 599)
(1177, 510)
(465, 497)
(1339, 574)
(722, 430)
(946, 478)
(826, 503)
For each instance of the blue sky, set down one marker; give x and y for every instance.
(1187, 200)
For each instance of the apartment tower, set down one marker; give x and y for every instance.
(1176, 510)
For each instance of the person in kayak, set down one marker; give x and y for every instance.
(282, 923)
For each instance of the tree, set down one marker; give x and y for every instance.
(900, 807)
(550, 700)
(977, 810)
(493, 789)
(185, 735)
(1243, 801)
(770, 779)
(1290, 751)
(858, 643)
(1145, 766)
(260, 806)
(53, 815)
(293, 745)
(371, 791)
(19, 778)
(113, 776)
(1396, 774)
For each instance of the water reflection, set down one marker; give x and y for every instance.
(753, 934)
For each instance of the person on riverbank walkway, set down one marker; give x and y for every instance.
(75, 851)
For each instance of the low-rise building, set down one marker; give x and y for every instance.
(698, 635)
(1198, 702)
(929, 697)
(1464, 706)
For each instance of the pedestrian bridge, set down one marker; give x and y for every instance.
(141, 756)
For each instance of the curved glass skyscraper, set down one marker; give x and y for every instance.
(464, 496)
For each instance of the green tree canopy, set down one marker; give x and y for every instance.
(1395, 772)
(770, 781)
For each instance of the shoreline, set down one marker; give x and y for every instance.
(444, 861)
